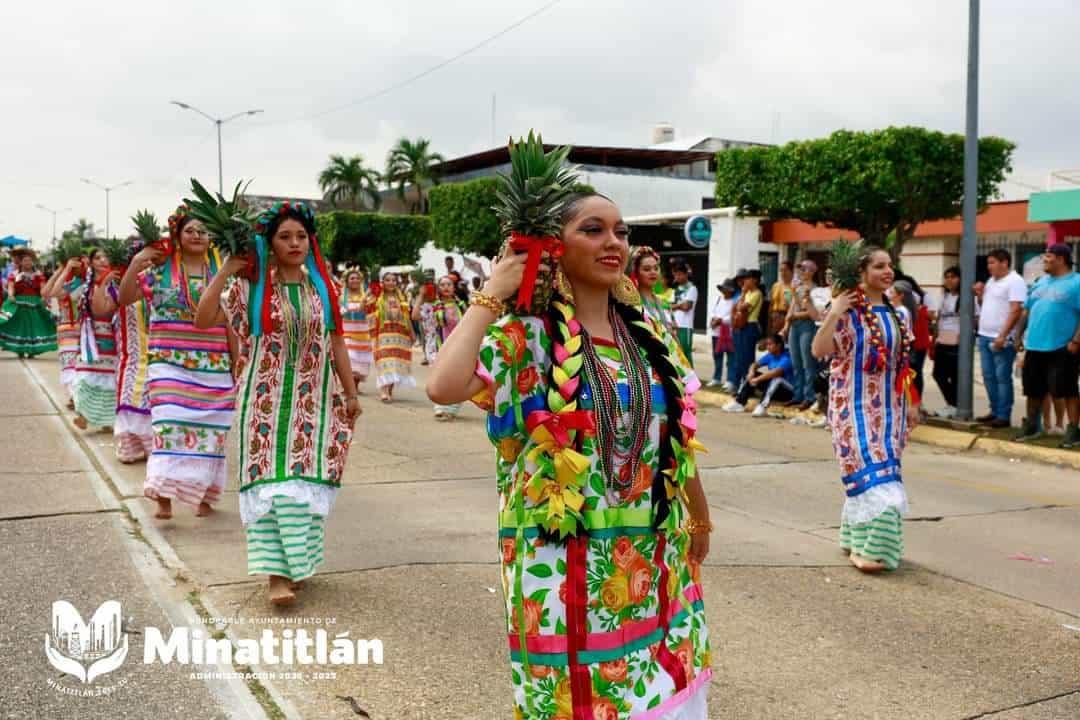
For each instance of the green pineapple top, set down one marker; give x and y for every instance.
(532, 197)
(844, 259)
(229, 222)
(146, 226)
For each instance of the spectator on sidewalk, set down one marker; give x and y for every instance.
(1002, 302)
(686, 296)
(746, 322)
(800, 326)
(947, 341)
(909, 304)
(723, 341)
(771, 376)
(780, 298)
(1051, 345)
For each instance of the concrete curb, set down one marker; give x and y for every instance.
(1053, 456)
(930, 434)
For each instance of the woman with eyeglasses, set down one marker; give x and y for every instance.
(189, 370)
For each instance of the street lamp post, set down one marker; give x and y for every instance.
(108, 189)
(966, 366)
(218, 122)
(54, 214)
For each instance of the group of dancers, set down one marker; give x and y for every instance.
(603, 519)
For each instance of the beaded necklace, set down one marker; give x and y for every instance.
(877, 359)
(188, 299)
(295, 322)
(620, 436)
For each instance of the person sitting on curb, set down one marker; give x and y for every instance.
(772, 375)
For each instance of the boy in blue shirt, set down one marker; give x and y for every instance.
(772, 376)
(1051, 318)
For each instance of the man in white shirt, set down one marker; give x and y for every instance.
(686, 296)
(1002, 302)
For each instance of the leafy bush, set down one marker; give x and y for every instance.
(462, 219)
(372, 240)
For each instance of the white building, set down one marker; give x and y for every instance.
(668, 177)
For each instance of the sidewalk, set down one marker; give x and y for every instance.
(70, 538)
(935, 432)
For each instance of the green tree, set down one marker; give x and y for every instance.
(81, 229)
(345, 181)
(372, 240)
(410, 163)
(879, 184)
(463, 219)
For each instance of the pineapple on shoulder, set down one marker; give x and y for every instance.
(531, 200)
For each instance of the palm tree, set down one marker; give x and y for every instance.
(409, 163)
(347, 181)
(81, 229)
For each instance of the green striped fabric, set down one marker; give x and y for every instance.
(881, 539)
(96, 404)
(287, 541)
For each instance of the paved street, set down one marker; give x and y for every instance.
(963, 630)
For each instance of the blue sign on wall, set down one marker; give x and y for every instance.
(698, 231)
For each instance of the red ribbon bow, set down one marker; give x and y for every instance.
(559, 424)
(536, 247)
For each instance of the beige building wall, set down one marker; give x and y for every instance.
(925, 259)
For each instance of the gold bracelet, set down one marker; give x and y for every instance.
(697, 527)
(490, 302)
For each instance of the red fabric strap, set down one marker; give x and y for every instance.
(535, 247)
(664, 656)
(577, 597)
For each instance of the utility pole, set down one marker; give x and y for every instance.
(218, 122)
(53, 213)
(108, 189)
(965, 374)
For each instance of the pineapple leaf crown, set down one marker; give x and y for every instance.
(229, 221)
(147, 232)
(845, 256)
(531, 199)
(146, 226)
(116, 250)
(67, 249)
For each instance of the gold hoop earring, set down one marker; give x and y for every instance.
(562, 285)
(626, 292)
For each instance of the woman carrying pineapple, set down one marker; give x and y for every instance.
(603, 520)
(441, 315)
(132, 432)
(189, 374)
(61, 286)
(393, 335)
(357, 327)
(873, 405)
(95, 366)
(298, 401)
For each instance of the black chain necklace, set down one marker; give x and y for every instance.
(620, 436)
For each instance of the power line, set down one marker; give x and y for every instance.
(408, 81)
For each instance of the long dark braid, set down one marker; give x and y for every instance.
(660, 362)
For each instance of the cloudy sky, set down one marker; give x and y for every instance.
(86, 86)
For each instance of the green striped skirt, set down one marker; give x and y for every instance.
(287, 541)
(881, 539)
